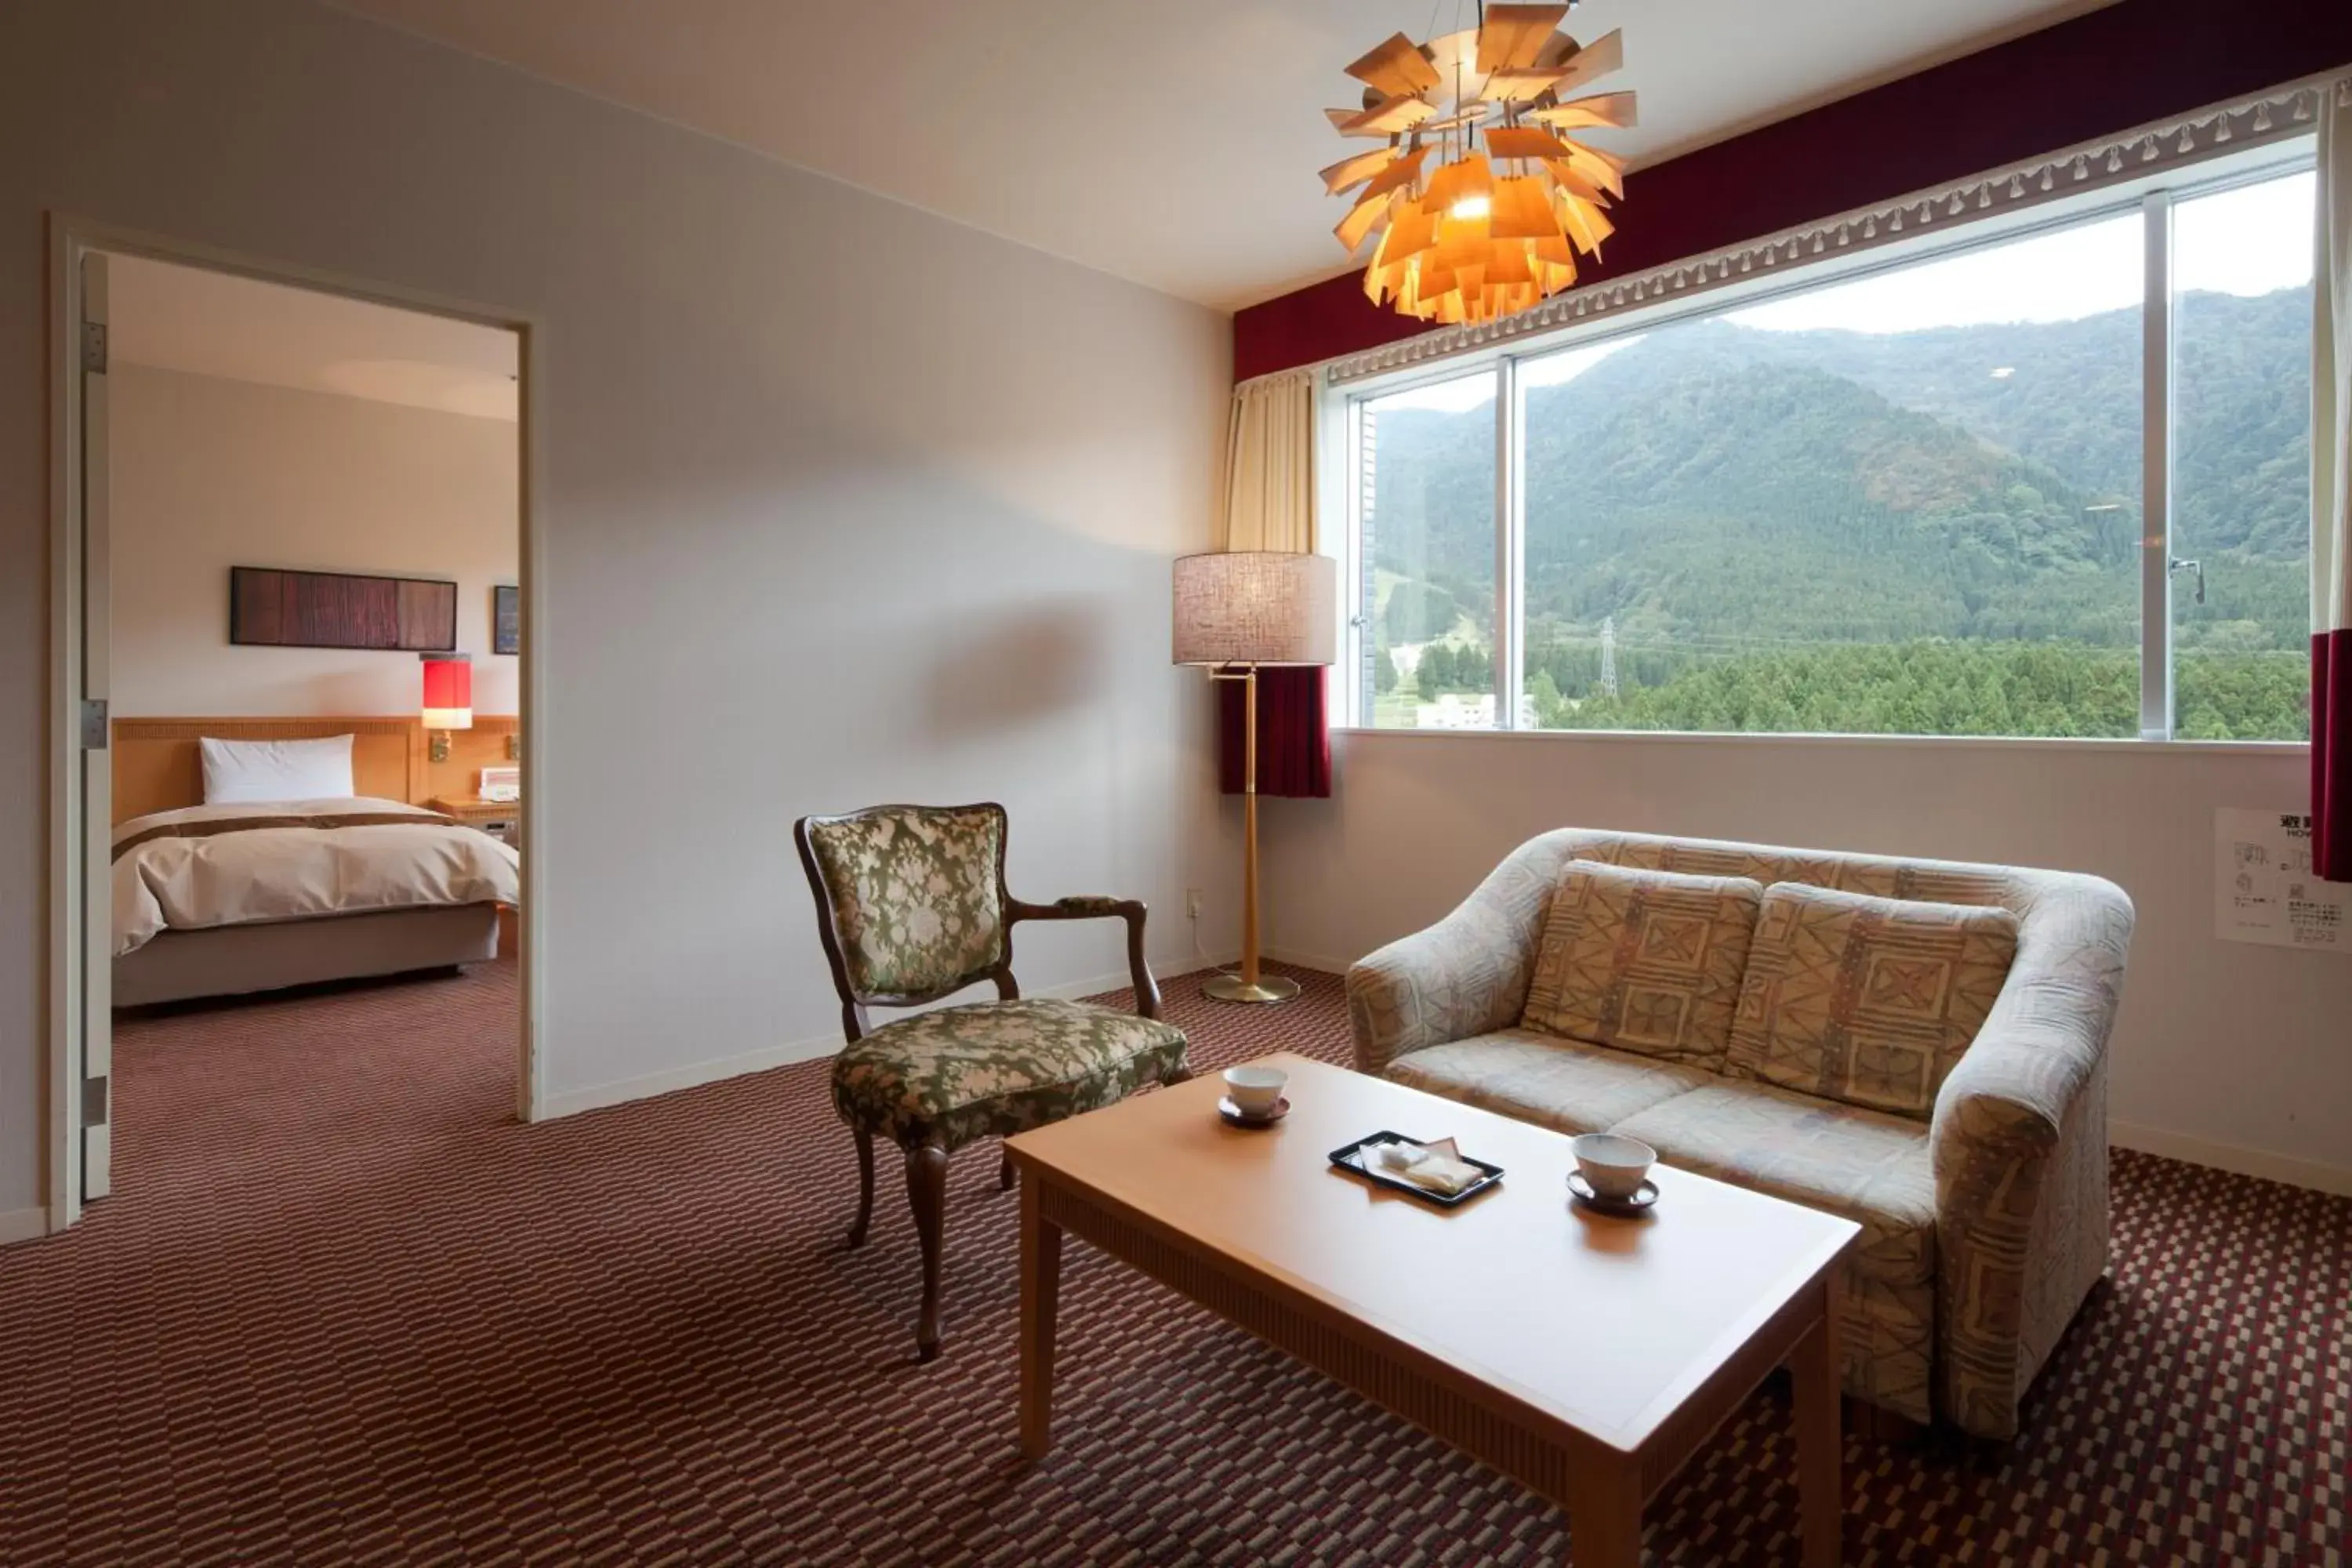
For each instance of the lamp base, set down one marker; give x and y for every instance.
(1234, 988)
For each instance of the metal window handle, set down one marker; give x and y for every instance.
(2197, 567)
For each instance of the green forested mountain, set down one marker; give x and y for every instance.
(1746, 506)
(2071, 401)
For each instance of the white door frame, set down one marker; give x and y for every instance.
(73, 841)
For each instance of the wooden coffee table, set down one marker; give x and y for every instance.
(1586, 1357)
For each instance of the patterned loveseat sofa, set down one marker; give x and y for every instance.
(1979, 1176)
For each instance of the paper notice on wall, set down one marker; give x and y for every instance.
(2264, 888)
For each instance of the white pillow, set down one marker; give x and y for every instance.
(237, 771)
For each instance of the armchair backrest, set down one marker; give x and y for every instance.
(910, 899)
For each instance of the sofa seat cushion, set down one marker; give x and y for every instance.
(1863, 1165)
(989, 1070)
(1569, 1085)
(1867, 1000)
(1648, 961)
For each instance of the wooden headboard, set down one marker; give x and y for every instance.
(157, 766)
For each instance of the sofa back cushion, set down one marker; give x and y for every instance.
(1867, 1000)
(1644, 960)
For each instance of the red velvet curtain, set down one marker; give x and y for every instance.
(2331, 755)
(1294, 735)
(2331, 495)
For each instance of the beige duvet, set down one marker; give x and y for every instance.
(206, 866)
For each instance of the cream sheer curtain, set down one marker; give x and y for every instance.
(1270, 505)
(2331, 495)
(2331, 375)
(1270, 463)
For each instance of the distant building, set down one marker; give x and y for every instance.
(1454, 712)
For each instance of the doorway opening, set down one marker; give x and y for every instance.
(291, 624)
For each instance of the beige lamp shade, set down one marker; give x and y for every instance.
(1256, 607)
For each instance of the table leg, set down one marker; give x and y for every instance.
(1604, 1516)
(1041, 1289)
(1820, 1481)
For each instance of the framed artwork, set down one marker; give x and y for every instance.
(505, 619)
(270, 608)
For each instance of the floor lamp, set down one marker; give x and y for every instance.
(1238, 612)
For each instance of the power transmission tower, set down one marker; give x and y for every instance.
(1609, 656)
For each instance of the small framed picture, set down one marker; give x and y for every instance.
(505, 619)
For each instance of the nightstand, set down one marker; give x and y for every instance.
(498, 818)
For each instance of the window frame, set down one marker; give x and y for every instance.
(1340, 429)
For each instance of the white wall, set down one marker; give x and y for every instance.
(2223, 1052)
(842, 503)
(211, 473)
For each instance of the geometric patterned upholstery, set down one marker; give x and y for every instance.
(1867, 1000)
(914, 893)
(1648, 961)
(2016, 1135)
(989, 1070)
(1536, 1077)
(1873, 1169)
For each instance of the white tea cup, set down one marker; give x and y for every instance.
(1254, 1091)
(1614, 1166)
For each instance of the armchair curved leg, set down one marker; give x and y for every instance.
(927, 1194)
(1004, 1172)
(865, 1188)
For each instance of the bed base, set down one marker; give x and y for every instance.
(235, 960)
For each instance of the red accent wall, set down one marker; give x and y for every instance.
(2126, 64)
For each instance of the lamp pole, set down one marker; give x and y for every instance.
(1250, 985)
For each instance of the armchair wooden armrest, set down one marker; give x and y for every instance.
(1094, 908)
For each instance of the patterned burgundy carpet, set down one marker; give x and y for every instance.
(343, 1308)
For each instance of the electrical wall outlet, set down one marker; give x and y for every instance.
(1192, 903)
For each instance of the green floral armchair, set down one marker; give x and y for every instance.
(911, 907)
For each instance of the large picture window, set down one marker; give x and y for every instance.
(1907, 502)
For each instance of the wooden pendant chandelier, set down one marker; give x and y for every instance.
(1481, 197)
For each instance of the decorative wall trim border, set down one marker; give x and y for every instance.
(2278, 114)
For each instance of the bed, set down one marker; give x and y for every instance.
(265, 887)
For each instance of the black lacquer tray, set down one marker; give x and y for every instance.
(1350, 1159)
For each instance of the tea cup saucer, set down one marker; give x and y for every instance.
(1643, 1196)
(1235, 1115)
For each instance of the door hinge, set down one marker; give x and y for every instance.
(93, 347)
(94, 1099)
(94, 727)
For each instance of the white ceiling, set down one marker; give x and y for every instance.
(212, 323)
(1174, 145)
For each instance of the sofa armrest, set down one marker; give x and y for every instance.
(1466, 975)
(2020, 1151)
